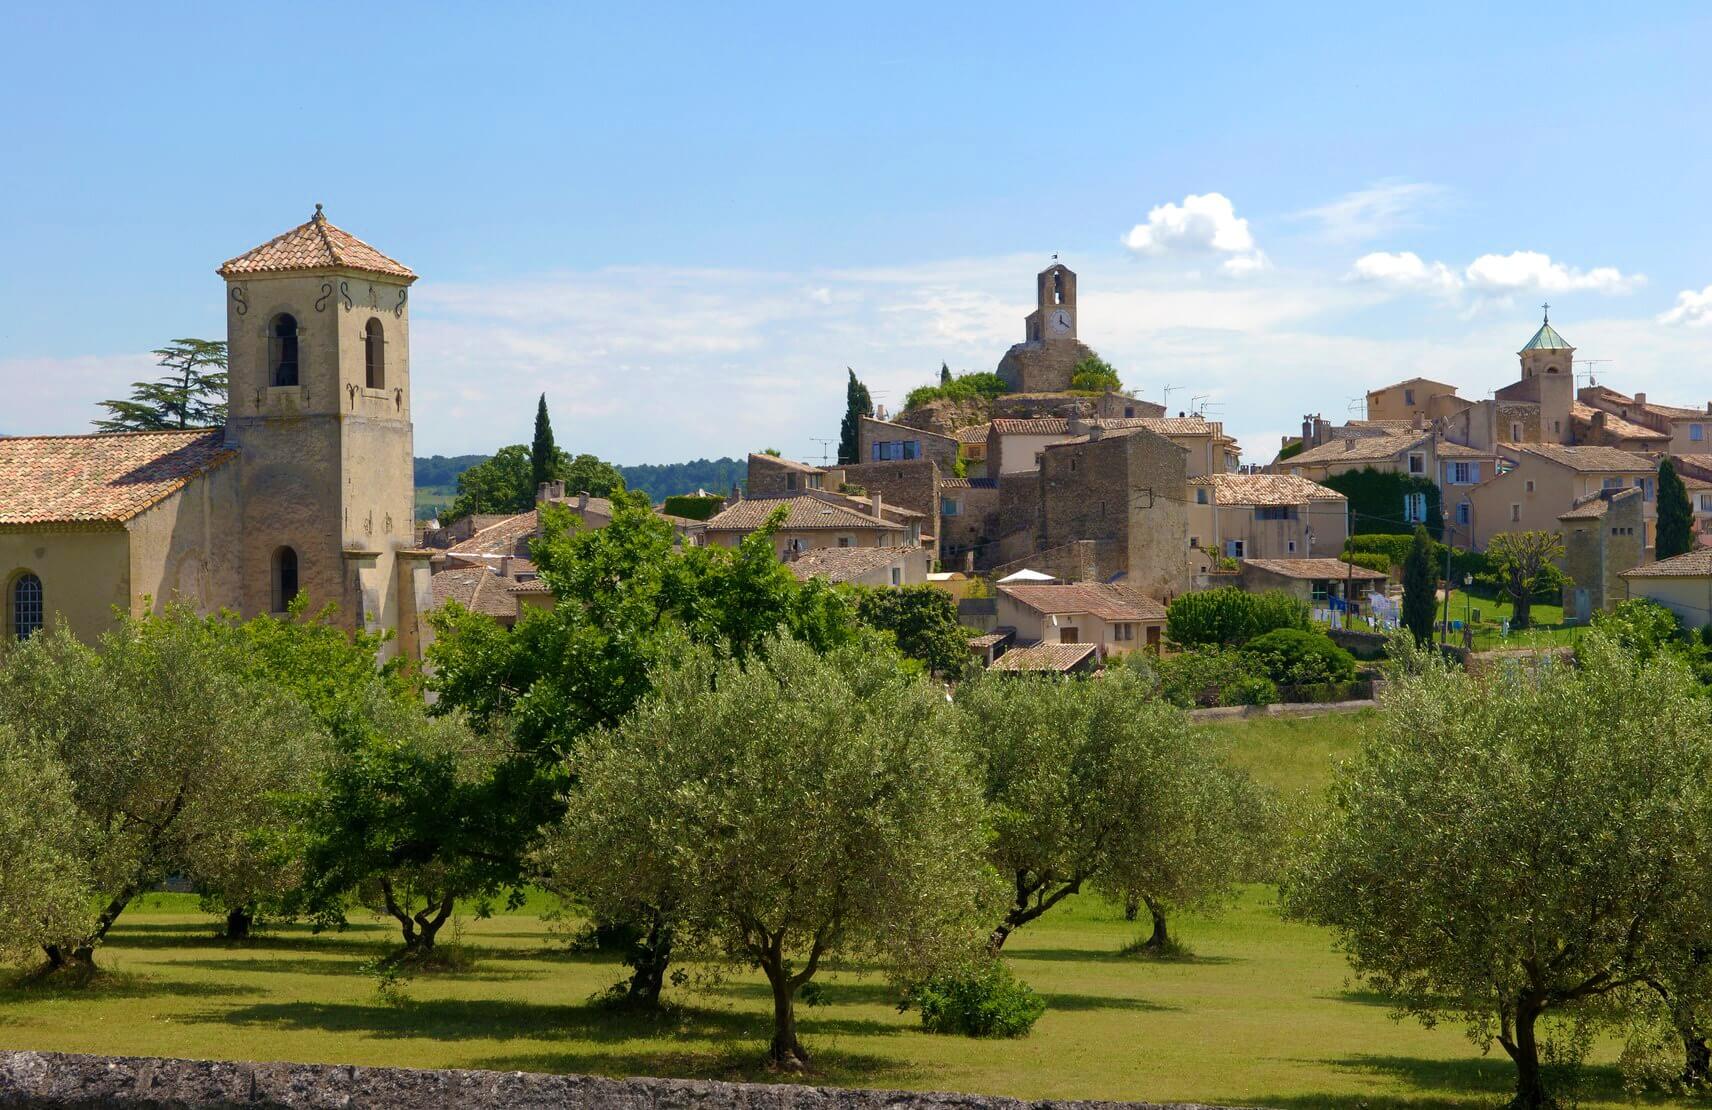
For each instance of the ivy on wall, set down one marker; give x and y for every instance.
(1378, 500)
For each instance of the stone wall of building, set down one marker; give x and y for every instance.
(768, 476)
(1127, 493)
(1017, 515)
(929, 445)
(65, 1081)
(976, 521)
(909, 484)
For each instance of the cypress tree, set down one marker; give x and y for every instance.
(1419, 601)
(543, 455)
(857, 404)
(1675, 514)
(944, 374)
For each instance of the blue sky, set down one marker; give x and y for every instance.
(682, 223)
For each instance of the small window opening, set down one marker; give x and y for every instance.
(374, 354)
(282, 350)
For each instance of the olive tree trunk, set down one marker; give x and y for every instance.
(419, 928)
(1517, 1035)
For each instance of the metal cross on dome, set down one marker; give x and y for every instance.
(1547, 309)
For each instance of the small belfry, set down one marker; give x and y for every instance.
(1045, 361)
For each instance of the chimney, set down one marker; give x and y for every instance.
(1077, 426)
(543, 492)
(1640, 400)
(1420, 421)
(1349, 443)
(879, 504)
(582, 499)
(1599, 420)
(505, 566)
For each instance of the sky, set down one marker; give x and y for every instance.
(682, 223)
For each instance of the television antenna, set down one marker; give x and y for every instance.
(1165, 396)
(1198, 402)
(825, 445)
(1357, 404)
(1590, 363)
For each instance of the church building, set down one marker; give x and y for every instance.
(308, 488)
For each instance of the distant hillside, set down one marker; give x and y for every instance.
(439, 473)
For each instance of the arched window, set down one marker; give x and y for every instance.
(284, 578)
(374, 353)
(282, 350)
(26, 606)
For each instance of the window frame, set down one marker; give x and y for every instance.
(15, 605)
(279, 577)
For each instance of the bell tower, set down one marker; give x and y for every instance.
(1054, 315)
(318, 334)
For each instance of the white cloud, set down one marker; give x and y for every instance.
(1494, 275)
(1693, 309)
(1378, 210)
(59, 395)
(1523, 270)
(1404, 269)
(1203, 223)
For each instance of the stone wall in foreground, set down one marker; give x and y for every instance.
(51, 1079)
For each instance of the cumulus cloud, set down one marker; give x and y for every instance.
(1405, 269)
(1203, 223)
(1491, 274)
(1692, 308)
(1521, 270)
(1375, 211)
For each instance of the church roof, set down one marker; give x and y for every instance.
(100, 478)
(314, 245)
(1547, 339)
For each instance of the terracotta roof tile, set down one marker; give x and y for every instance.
(1690, 564)
(1585, 458)
(1043, 657)
(1108, 602)
(113, 477)
(1614, 424)
(975, 433)
(788, 464)
(1265, 489)
(510, 536)
(1060, 425)
(846, 564)
(475, 588)
(1315, 568)
(314, 245)
(803, 512)
(1359, 449)
(968, 483)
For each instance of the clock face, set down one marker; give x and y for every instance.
(1059, 322)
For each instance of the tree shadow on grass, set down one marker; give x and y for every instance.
(346, 967)
(739, 1062)
(1071, 1003)
(1102, 956)
(36, 986)
(1458, 1084)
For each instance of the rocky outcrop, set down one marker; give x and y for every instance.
(62, 1081)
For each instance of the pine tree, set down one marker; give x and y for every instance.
(543, 455)
(191, 394)
(857, 404)
(1420, 602)
(1675, 514)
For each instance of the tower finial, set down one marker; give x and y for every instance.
(1545, 307)
(318, 214)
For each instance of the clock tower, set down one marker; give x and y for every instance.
(1054, 316)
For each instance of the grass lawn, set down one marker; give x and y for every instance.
(1262, 1013)
(1548, 628)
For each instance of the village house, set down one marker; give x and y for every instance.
(308, 488)
(1406, 400)
(1682, 584)
(1048, 658)
(1685, 430)
(864, 566)
(1320, 582)
(810, 521)
(1110, 618)
(1248, 516)
(1545, 480)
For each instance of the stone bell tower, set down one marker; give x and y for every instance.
(318, 327)
(1045, 361)
(1054, 315)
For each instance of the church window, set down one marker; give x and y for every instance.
(282, 350)
(284, 578)
(26, 606)
(374, 354)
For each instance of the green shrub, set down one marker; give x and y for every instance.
(985, 1001)
(1642, 625)
(982, 385)
(1206, 676)
(1228, 616)
(1370, 560)
(1376, 500)
(1251, 689)
(1291, 657)
(692, 506)
(1094, 375)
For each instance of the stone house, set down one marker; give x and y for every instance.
(1603, 535)
(1405, 400)
(864, 566)
(1124, 492)
(811, 521)
(968, 515)
(1111, 618)
(1682, 584)
(1316, 581)
(1248, 516)
(308, 488)
(1412, 452)
(1015, 446)
(1545, 480)
(1687, 430)
(772, 476)
(1598, 428)
(884, 441)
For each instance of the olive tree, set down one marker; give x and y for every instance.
(1519, 843)
(785, 809)
(175, 754)
(44, 876)
(1099, 782)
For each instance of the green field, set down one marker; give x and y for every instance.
(431, 500)
(1262, 1013)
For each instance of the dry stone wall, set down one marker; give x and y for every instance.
(63, 1082)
